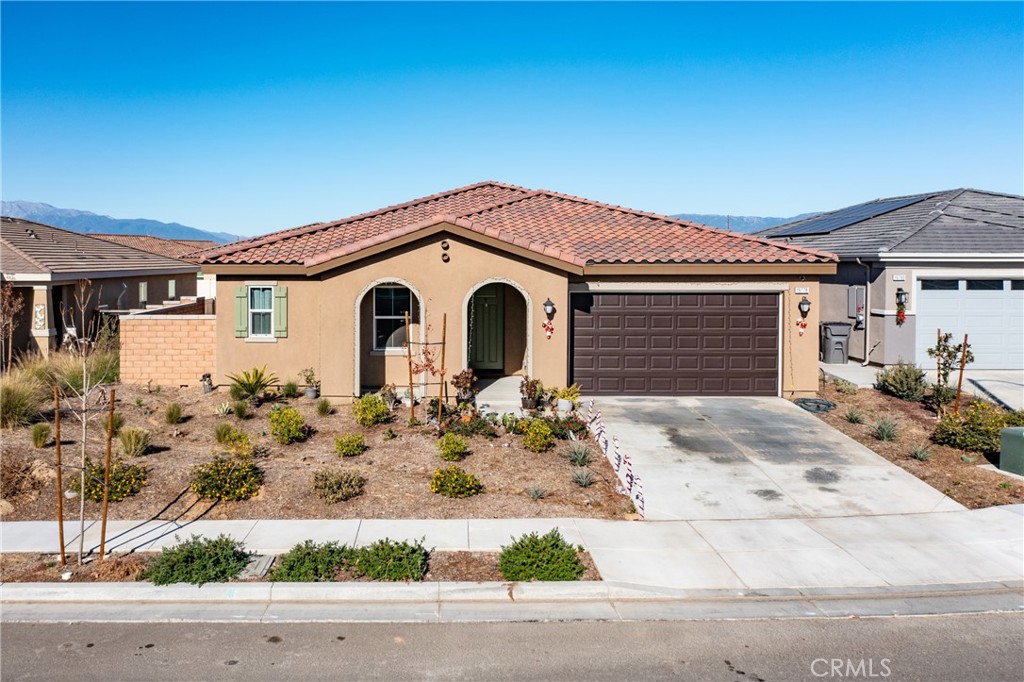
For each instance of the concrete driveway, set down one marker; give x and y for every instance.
(756, 458)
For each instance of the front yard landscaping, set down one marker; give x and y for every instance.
(299, 459)
(904, 432)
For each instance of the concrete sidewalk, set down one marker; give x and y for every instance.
(842, 553)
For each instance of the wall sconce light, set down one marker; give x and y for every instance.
(804, 306)
(901, 296)
(549, 308)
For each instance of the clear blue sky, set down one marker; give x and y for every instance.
(250, 117)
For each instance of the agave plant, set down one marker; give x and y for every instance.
(251, 385)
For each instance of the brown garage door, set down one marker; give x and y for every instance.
(676, 344)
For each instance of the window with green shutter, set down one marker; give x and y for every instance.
(261, 311)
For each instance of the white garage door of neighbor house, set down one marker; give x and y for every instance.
(990, 311)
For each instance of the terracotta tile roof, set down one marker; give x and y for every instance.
(571, 229)
(31, 248)
(172, 248)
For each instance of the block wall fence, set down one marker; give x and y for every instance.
(168, 350)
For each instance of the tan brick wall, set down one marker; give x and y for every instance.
(168, 350)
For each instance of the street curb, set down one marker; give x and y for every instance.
(481, 602)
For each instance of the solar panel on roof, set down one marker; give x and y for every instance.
(855, 214)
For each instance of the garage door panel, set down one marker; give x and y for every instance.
(676, 344)
(993, 318)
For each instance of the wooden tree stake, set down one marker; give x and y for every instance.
(106, 476)
(408, 353)
(960, 377)
(60, 478)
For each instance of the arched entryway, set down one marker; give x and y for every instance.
(496, 323)
(380, 334)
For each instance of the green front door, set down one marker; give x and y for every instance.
(487, 335)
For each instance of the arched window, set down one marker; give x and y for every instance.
(391, 302)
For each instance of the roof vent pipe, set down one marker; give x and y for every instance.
(120, 296)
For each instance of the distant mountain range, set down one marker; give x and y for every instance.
(739, 223)
(93, 223)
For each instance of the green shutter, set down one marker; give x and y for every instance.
(281, 312)
(241, 313)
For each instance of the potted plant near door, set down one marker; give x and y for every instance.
(568, 398)
(463, 383)
(312, 383)
(531, 391)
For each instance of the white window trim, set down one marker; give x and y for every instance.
(249, 310)
(389, 350)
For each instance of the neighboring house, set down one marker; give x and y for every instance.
(957, 257)
(641, 304)
(180, 249)
(45, 264)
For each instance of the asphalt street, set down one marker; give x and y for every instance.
(987, 647)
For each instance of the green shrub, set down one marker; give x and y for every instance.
(903, 380)
(224, 409)
(350, 445)
(538, 436)
(455, 482)
(843, 386)
(227, 478)
(64, 369)
(584, 478)
(540, 557)
(287, 426)
(238, 443)
(391, 560)
(1015, 418)
(579, 454)
(942, 394)
(853, 416)
(389, 434)
(885, 429)
(241, 409)
(452, 448)
(252, 384)
(222, 432)
(134, 442)
(976, 428)
(172, 414)
(20, 398)
(40, 435)
(537, 493)
(338, 486)
(309, 562)
(370, 410)
(290, 389)
(323, 407)
(475, 426)
(198, 561)
(921, 453)
(125, 480)
(118, 423)
(570, 424)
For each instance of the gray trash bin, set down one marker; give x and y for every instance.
(835, 342)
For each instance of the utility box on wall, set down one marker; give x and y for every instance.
(856, 306)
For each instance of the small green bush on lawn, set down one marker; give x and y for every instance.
(287, 426)
(227, 478)
(125, 480)
(350, 445)
(338, 486)
(40, 435)
(198, 561)
(370, 410)
(454, 481)
(309, 562)
(538, 436)
(452, 448)
(540, 557)
(903, 380)
(976, 428)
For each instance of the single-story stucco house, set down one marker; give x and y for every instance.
(46, 263)
(951, 260)
(531, 282)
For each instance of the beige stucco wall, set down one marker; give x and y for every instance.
(322, 313)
